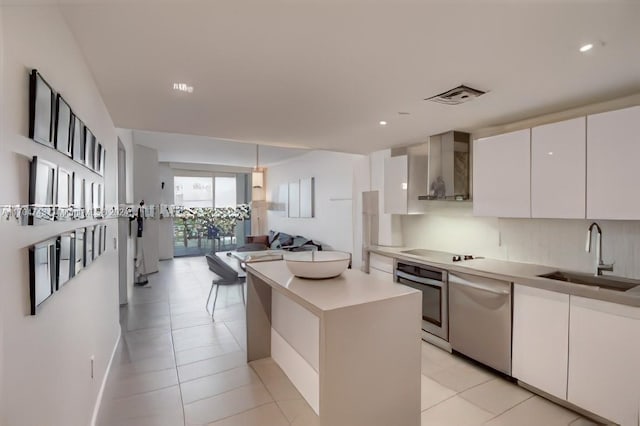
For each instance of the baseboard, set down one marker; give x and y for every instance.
(96, 407)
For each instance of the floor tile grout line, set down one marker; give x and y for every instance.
(173, 348)
(144, 393)
(207, 375)
(506, 411)
(269, 392)
(221, 393)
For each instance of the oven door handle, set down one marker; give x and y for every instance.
(464, 283)
(421, 280)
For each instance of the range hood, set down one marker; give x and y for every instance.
(448, 168)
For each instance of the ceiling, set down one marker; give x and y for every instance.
(203, 150)
(322, 73)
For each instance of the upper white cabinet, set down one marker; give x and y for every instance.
(541, 339)
(389, 225)
(501, 175)
(604, 352)
(558, 168)
(395, 184)
(613, 173)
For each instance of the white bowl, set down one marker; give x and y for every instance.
(317, 264)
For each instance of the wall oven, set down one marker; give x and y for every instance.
(432, 282)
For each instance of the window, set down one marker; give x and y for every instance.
(225, 192)
(194, 191)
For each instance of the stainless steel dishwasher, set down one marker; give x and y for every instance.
(480, 319)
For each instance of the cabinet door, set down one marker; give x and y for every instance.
(395, 185)
(604, 349)
(613, 149)
(501, 175)
(558, 167)
(541, 339)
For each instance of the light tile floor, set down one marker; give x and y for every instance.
(175, 367)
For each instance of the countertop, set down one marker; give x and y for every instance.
(519, 273)
(352, 288)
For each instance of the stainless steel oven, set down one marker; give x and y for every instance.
(432, 282)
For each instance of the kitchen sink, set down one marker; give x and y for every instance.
(600, 281)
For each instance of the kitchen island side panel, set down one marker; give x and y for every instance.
(370, 363)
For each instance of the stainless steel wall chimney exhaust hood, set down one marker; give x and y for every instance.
(448, 169)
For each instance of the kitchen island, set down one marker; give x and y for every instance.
(350, 344)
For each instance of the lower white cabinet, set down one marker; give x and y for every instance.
(381, 266)
(604, 359)
(541, 339)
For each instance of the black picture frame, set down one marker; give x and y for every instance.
(103, 160)
(43, 272)
(64, 194)
(100, 159)
(89, 148)
(65, 248)
(42, 190)
(79, 251)
(100, 237)
(78, 140)
(104, 240)
(41, 110)
(63, 127)
(88, 245)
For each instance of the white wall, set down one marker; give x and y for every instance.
(146, 186)
(45, 363)
(335, 198)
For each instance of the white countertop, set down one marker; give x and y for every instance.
(352, 287)
(520, 273)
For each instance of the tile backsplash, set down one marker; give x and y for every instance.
(555, 242)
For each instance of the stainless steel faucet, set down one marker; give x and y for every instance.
(600, 265)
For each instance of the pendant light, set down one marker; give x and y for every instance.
(257, 176)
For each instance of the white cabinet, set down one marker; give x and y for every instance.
(613, 149)
(381, 267)
(501, 175)
(395, 184)
(541, 339)
(604, 357)
(389, 225)
(558, 167)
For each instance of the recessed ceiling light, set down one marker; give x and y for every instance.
(586, 47)
(382, 123)
(404, 113)
(183, 87)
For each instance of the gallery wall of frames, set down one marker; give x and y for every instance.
(58, 193)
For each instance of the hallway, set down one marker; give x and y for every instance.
(175, 367)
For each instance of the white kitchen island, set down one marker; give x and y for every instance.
(350, 344)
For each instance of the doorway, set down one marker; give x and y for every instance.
(123, 227)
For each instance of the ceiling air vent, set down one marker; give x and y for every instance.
(456, 96)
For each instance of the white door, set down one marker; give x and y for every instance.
(501, 175)
(613, 150)
(558, 167)
(541, 339)
(604, 351)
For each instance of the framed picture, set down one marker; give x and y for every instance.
(88, 245)
(88, 199)
(78, 199)
(42, 268)
(42, 190)
(64, 194)
(41, 108)
(100, 159)
(103, 160)
(97, 199)
(64, 127)
(79, 251)
(89, 148)
(307, 197)
(294, 199)
(78, 140)
(66, 263)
